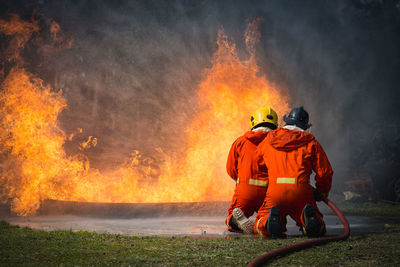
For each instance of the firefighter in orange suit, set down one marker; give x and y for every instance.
(291, 154)
(242, 167)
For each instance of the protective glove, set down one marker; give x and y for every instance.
(319, 196)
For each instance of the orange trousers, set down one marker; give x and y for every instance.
(248, 202)
(291, 200)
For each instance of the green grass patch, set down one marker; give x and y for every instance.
(379, 210)
(24, 246)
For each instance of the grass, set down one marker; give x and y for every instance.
(379, 210)
(25, 246)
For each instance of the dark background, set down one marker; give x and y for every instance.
(131, 75)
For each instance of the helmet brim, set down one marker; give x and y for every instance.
(300, 124)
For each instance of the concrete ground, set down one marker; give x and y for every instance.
(174, 226)
(161, 219)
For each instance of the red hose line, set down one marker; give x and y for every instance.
(314, 242)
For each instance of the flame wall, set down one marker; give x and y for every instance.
(35, 165)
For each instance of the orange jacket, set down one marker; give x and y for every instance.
(242, 160)
(292, 155)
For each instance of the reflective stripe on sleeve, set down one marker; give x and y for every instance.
(285, 180)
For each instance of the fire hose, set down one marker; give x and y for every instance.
(315, 242)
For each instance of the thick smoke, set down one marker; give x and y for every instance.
(131, 76)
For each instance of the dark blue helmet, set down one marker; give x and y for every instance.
(299, 117)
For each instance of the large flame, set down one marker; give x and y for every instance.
(20, 31)
(35, 166)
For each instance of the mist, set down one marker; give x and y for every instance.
(131, 76)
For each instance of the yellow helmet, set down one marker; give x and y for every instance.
(264, 115)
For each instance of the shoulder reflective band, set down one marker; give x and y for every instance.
(258, 182)
(285, 180)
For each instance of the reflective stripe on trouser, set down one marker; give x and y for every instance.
(256, 182)
(259, 226)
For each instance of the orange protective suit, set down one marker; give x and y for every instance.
(251, 179)
(291, 156)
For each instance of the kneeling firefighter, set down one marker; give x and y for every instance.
(291, 154)
(242, 166)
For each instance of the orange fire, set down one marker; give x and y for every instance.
(21, 31)
(35, 166)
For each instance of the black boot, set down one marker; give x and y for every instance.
(234, 225)
(274, 226)
(313, 227)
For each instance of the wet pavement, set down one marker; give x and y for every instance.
(162, 220)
